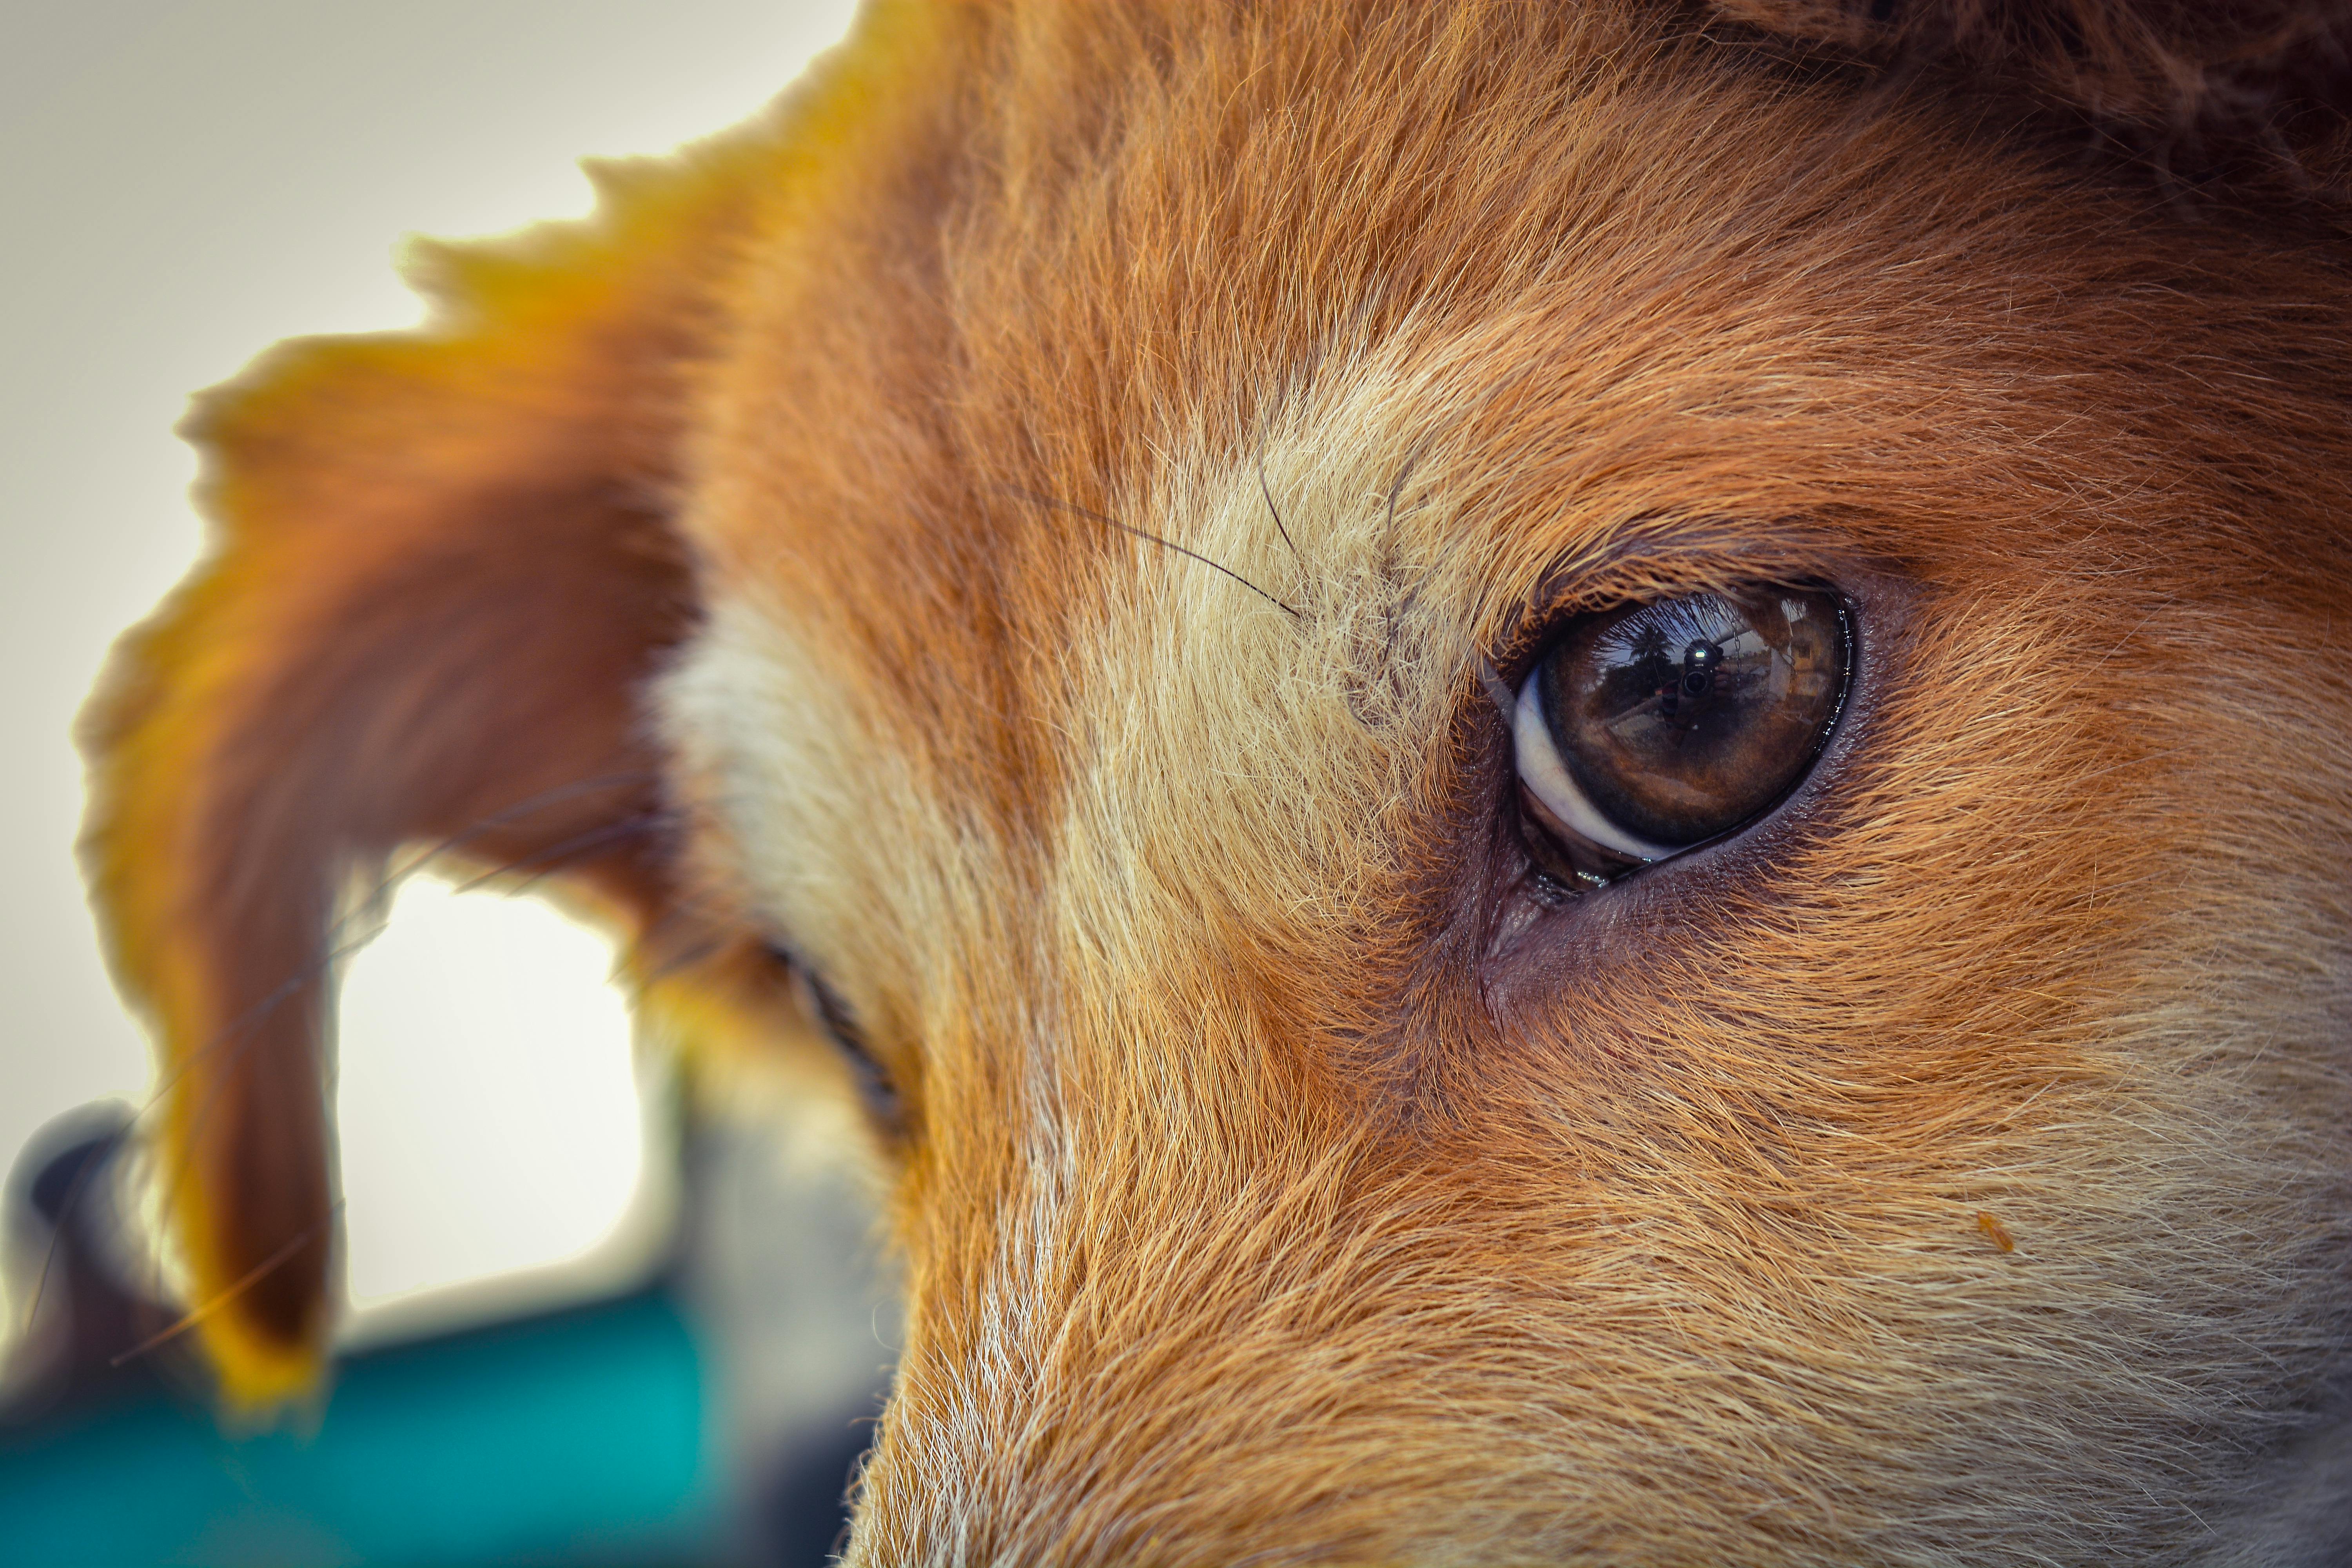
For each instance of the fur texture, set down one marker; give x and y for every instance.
(2238, 69)
(1283, 1175)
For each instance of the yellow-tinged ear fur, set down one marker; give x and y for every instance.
(443, 569)
(440, 569)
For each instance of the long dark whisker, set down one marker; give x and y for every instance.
(481, 824)
(1388, 557)
(543, 863)
(1267, 490)
(73, 1194)
(251, 1277)
(425, 855)
(682, 957)
(1092, 516)
(239, 1035)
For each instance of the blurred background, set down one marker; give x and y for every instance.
(593, 1323)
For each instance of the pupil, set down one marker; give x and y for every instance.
(1699, 660)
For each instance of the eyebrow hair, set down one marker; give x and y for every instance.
(1087, 512)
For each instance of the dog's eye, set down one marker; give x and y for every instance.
(1651, 729)
(875, 1085)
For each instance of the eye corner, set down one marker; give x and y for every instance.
(877, 1086)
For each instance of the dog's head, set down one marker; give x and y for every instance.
(1572, 779)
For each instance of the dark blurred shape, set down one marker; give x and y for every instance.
(783, 1262)
(801, 1515)
(80, 1274)
(634, 1429)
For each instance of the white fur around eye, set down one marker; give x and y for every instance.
(1547, 778)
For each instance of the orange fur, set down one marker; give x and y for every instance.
(1951, 1168)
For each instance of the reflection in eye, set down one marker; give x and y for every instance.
(1651, 729)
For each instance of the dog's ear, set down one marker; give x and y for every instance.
(442, 570)
(445, 566)
(2198, 85)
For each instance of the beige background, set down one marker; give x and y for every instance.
(181, 185)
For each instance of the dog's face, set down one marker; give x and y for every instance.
(1566, 796)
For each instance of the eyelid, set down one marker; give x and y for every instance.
(875, 1082)
(1541, 770)
(1645, 564)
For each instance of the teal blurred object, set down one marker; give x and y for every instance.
(580, 1437)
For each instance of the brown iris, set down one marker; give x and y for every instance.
(1679, 720)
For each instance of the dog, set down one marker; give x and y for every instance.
(1568, 781)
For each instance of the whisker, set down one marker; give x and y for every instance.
(684, 957)
(500, 818)
(426, 855)
(1388, 557)
(1505, 700)
(692, 929)
(251, 1277)
(237, 1035)
(1396, 490)
(1092, 516)
(1267, 490)
(544, 863)
(548, 862)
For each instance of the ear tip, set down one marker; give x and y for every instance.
(145, 733)
(258, 1375)
(262, 1310)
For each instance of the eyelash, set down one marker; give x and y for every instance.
(875, 1086)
